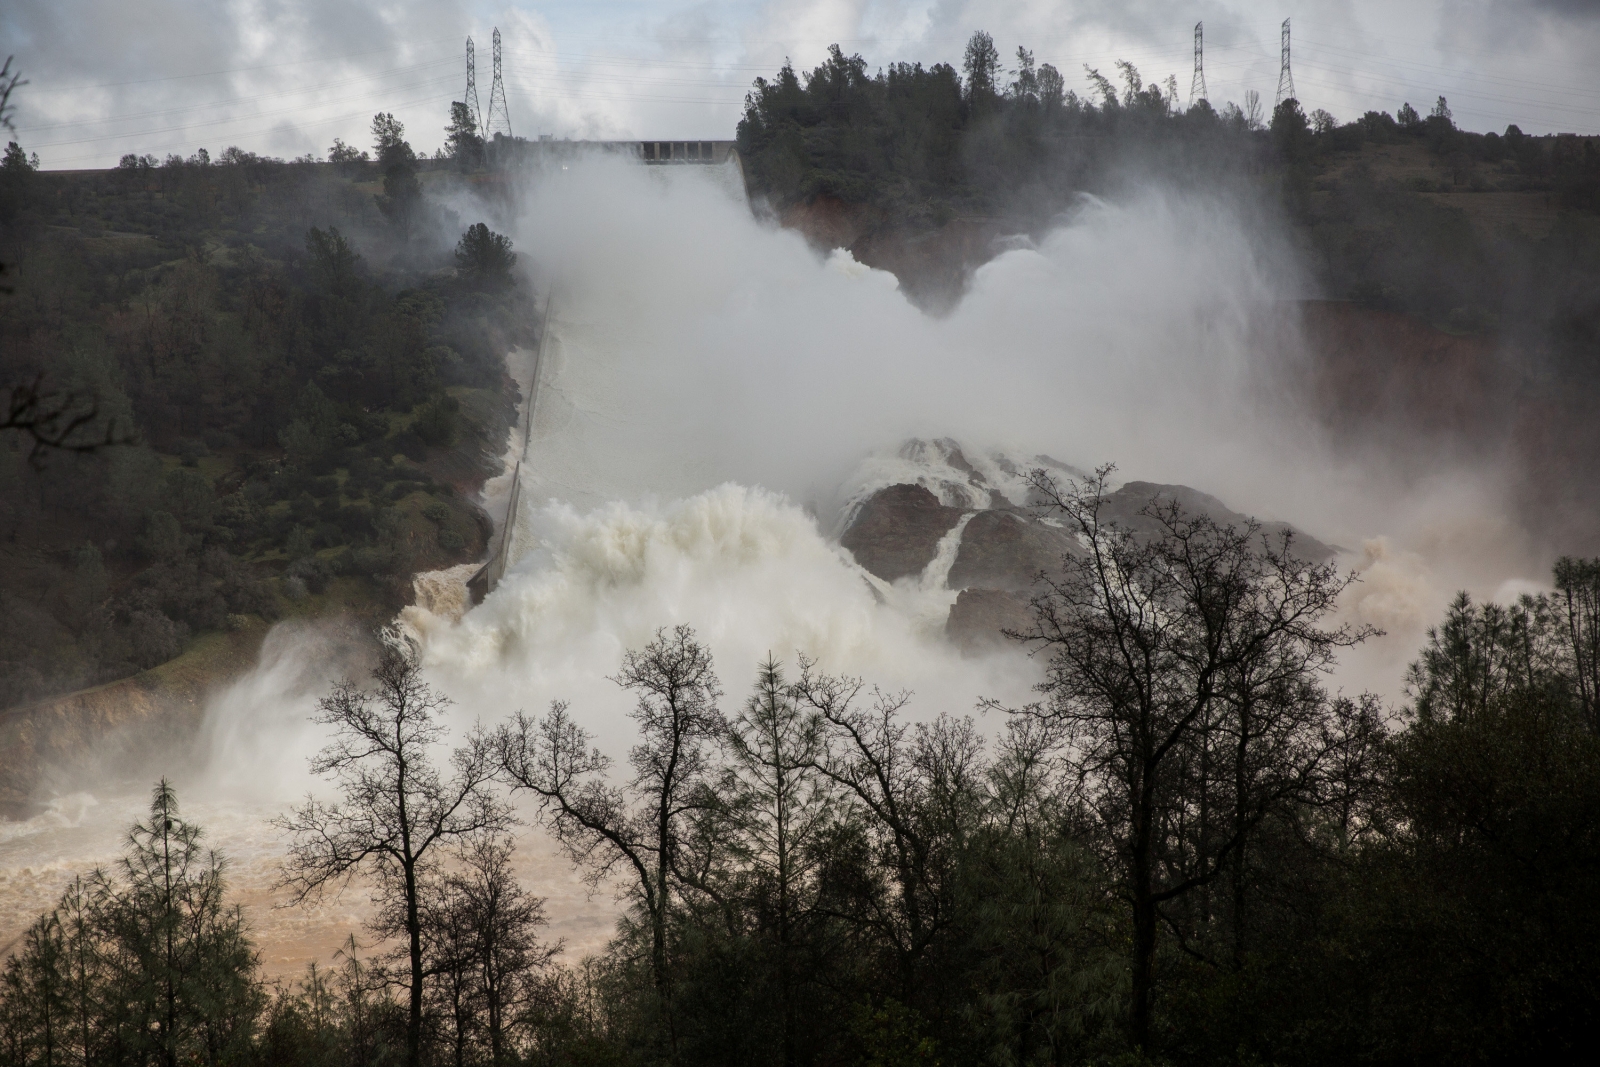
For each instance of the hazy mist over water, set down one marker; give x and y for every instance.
(714, 390)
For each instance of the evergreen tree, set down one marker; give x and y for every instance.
(182, 956)
(981, 65)
(462, 137)
(781, 806)
(484, 258)
(401, 198)
(152, 967)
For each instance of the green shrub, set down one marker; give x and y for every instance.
(437, 422)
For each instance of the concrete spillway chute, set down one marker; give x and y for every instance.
(482, 583)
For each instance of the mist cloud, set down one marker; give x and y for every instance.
(693, 346)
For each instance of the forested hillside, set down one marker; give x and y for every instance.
(1454, 256)
(1381, 201)
(294, 374)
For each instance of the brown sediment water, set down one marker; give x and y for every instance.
(39, 858)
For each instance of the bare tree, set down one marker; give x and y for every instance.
(10, 81)
(1161, 643)
(53, 419)
(638, 826)
(1252, 110)
(396, 812)
(919, 788)
(447, 961)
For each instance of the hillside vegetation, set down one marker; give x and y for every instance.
(1472, 230)
(267, 377)
(1463, 262)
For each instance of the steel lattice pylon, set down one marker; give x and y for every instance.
(1285, 75)
(1197, 85)
(471, 98)
(499, 117)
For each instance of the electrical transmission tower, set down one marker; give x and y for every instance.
(1197, 87)
(1285, 75)
(499, 117)
(471, 99)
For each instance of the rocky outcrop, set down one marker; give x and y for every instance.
(933, 262)
(896, 532)
(1006, 550)
(980, 618)
(1124, 508)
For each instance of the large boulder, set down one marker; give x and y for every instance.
(895, 533)
(1007, 550)
(980, 617)
(897, 530)
(1123, 508)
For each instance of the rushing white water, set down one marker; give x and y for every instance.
(713, 399)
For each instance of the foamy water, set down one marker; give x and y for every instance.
(713, 401)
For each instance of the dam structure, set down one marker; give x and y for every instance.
(517, 152)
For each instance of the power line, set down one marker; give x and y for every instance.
(1486, 112)
(231, 101)
(630, 83)
(213, 73)
(226, 121)
(195, 142)
(591, 94)
(1434, 69)
(764, 68)
(1404, 86)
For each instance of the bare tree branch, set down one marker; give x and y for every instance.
(57, 420)
(396, 810)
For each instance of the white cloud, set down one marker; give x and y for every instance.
(286, 76)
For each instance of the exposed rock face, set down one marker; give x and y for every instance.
(896, 533)
(1006, 550)
(160, 707)
(996, 480)
(979, 618)
(1123, 506)
(934, 264)
(114, 730)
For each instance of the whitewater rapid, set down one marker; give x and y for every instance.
(714, 399)
(629, 521)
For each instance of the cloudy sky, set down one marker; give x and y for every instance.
(285, 77)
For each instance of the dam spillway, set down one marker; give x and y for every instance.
(705, 391)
